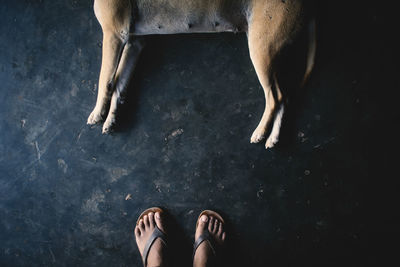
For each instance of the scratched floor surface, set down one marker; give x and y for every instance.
(69, 196)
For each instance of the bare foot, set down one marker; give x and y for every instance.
(204, 252)
(143, 231)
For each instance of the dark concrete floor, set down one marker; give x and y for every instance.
(325, 196)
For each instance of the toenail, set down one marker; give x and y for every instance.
(204, 218)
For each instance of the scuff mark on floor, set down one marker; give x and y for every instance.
(62, 165)
(174, 134)
(37, 150)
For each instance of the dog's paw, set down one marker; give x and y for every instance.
(108, 125)
(257, 136)
(271, 141)
(94, 117)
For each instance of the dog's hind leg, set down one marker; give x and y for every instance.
(269, 29)
(126, 67)
(262, 58)
(112, 46)
(114, 17)
(276, 127)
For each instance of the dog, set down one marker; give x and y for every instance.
(269, 24)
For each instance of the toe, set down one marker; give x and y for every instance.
(141, 225)
(137, 232)
(223, 236)
(216, 224)
(220, 229)
(211, 225)
(146, 221)
(202, 225)
(151, 219)
(203, 219)
(159, 221)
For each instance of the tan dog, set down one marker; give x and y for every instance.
(269, 24)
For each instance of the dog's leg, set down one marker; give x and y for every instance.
(269, 29)
(114, 17)
(126, 67)
(276, 127)
(260, 54)
(112, 46)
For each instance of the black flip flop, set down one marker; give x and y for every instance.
(157, 233)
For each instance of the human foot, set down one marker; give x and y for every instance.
(150, 237)
(209, 228)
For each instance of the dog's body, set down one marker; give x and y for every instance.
(269, 25)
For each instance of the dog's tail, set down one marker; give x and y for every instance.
(312, 48)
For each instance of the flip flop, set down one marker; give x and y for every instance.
(206, 236)
(157, 233)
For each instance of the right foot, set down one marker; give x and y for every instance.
(143, 231)
(204, 252)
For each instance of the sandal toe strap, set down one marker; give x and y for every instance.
(204, 237)
(157, 233)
